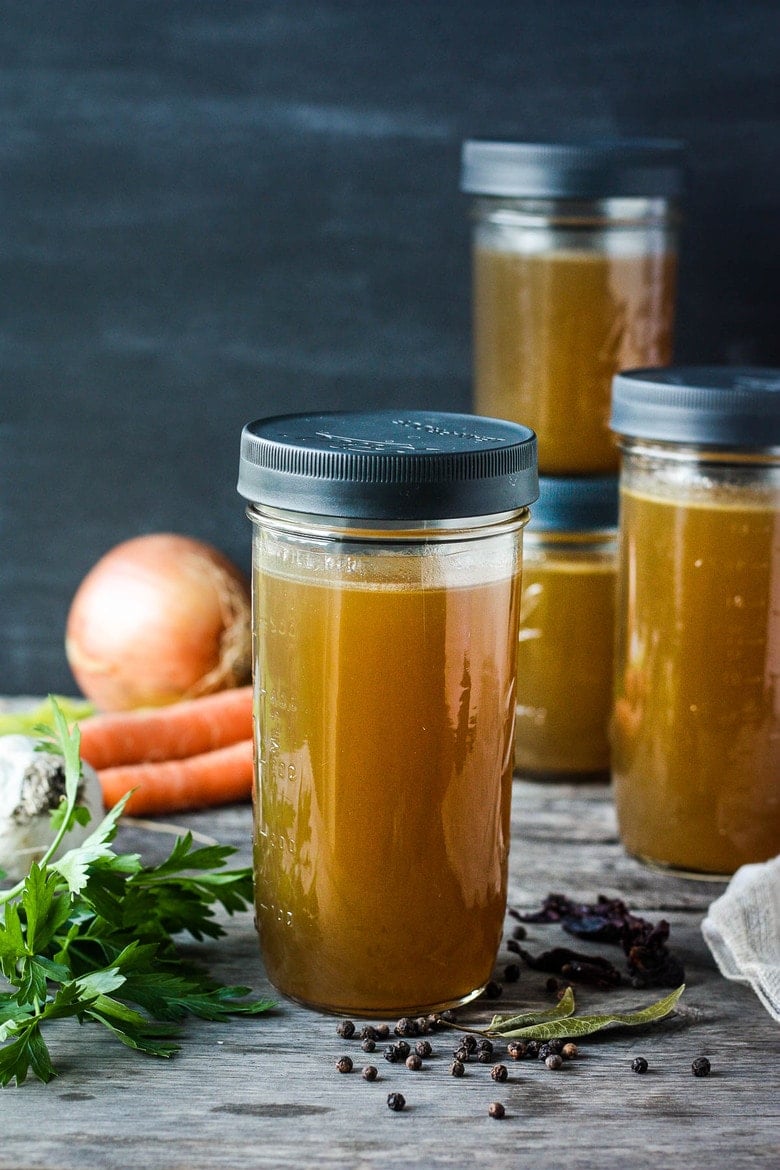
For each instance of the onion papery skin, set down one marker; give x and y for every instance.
(159, 618)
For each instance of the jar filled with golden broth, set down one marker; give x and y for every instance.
(386, 591)
(696, 722)
(567, 617)
(574, 263)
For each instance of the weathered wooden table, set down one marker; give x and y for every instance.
(265, 1092)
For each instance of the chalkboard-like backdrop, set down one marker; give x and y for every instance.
(217, 209)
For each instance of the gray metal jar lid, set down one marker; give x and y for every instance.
(389, 465)
(728, 406)
(576, 504)
(643, 167)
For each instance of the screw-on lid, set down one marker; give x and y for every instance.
(643, 167)
(722, 405)
(389, 465)
(576, 504)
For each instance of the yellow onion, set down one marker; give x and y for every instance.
(159, 618)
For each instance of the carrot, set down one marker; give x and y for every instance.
(223, 776)
(186, 728)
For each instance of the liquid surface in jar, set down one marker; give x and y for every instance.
(565, 664)
(551, 330)
(385, 738)
(696, 728)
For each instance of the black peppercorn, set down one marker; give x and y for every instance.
(484, 1045)
(457, 1068)
(543, 1051)
(396, 1102)
(345, 1029)
(449, 1016)
(424, 1048)
(511, 973)
(405, 1027)
(701, 1067)
(499, 1073)
(370, 1073)
(382, 1031)
(639, 1065)
(368, 1045)
(484, 1057)
(391, 1053)
(344, 1064)
(403, 1049)
(555, 1046)
(368, 1033)
(462, 1054)
(554, 1061)
(516, 1049)
(422, 1025)
(496, 1110)
(414, 1062)
(433, 1021)
(493, 990)
(469, 1043)
(570, 1051)
(519, 932)
(532, 1049)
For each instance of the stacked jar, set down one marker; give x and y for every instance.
(574, 279)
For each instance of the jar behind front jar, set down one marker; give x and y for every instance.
(696, 721)
(574, 265)
(567, 617)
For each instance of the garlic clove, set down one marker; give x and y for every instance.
(32, 784)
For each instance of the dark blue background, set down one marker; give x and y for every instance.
(217, 210)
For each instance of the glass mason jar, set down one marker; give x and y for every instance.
(386, 588)
(696, 721)
(567, 617)
(574, 264)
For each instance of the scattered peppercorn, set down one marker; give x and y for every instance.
(344, 1064)
(345, 1029)
(554, 1061)
(368, 1033)
(370, 1073)
(555, 1045)
(403, 1049)
(396, 1102)
(511, 973)
(449, 1016)
(493, 990)
(499, 1072)
(551, 984)
(414, 1062)
(543, 1052)
(433, 1021)
(639, 1064)
(701, 1067)
(516, 1049)
(391, 1053)
(405, 1027)
(496, 1110)
(484, 1057)
(422, 1025)
(423, 1048)
(462, 1054)
(469, 1043)
(532, 1049)
(485, 1045)
(382, 1031)
(457, 1068)
(570, 1051)
(368, 1045)
(519, 932)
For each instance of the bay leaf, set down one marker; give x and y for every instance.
(573, 1026)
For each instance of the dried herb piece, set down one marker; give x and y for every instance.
(565, 1006)
(592, 969)
(585, 1025)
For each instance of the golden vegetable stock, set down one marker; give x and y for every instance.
(551, 330)
(385, 715)
(696, 730)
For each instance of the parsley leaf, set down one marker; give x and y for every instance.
(93, 936)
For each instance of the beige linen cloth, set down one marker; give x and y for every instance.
(742, 929)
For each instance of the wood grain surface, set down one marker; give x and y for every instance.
(265, 1092)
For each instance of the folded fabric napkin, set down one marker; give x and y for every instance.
(742, 929)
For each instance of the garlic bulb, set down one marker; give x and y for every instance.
(32, 783)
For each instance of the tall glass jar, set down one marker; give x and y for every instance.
(567, 617)
(696, 721)
(386, 590)
(574, 263)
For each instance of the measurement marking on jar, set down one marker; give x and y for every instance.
(278, 840)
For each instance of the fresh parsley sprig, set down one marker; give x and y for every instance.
(92, 936)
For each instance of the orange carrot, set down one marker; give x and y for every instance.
(186, 728)
(223, 776)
